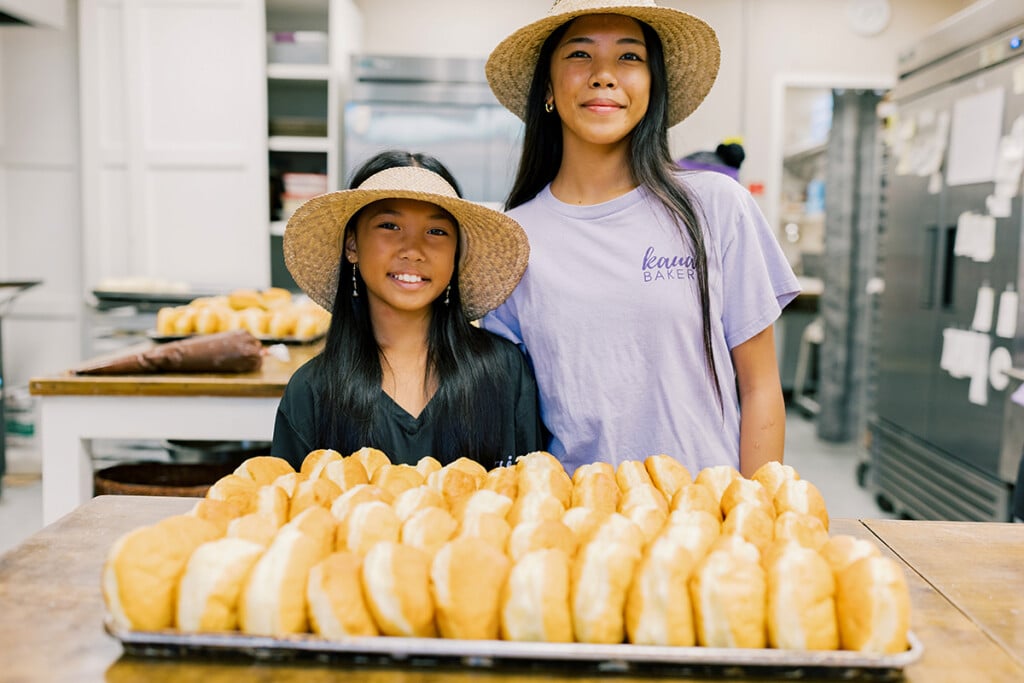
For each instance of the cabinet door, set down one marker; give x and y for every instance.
(174, 140)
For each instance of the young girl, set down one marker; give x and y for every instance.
(404, 265)
(648, 305)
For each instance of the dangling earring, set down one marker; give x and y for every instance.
(355, 285)
(447, 294)
(549, 107)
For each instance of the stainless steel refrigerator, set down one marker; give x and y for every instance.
(949, 323)
(438, 106)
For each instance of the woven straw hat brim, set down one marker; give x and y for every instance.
(495, 249)
(692, 54)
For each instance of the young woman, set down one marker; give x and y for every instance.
(404, 265)
(648, 305)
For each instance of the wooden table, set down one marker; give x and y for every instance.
(965, 581)
(201, 407)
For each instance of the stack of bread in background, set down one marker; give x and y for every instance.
(271, 313)
(645, 554)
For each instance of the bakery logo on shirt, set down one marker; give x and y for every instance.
(657, 267)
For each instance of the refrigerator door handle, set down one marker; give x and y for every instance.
(930, 251)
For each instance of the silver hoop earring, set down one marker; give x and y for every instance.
(447, 295)
(355, 285)
(549, 107)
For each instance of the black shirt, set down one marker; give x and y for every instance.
(408, 438)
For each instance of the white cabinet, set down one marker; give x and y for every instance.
(173, 123)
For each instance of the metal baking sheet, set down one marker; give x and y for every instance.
(266, 339)
(501, 654)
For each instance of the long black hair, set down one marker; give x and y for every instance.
(460, 357)
(650, 163)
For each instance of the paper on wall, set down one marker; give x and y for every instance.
(978, 349)
(1006, 320)
(974, 138)
(998, 207)
(975, 236)
(935, 183)
(998, 363)
(983, 309)
(1018, 80)
(1009, 165)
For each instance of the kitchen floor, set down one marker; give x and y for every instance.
(831, 467)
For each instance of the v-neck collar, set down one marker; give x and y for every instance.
(404, 418)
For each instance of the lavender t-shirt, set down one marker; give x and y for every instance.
(609, 313)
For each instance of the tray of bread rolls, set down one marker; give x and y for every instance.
(272, 315)
(637, 568)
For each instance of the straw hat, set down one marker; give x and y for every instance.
(494, 248)
(691, 52)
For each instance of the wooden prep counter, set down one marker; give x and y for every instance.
(202, 407)
(965, 587)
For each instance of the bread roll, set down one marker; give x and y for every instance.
(535, 599)
(288, 483)
(695, 530)
(746, 490)
(452, 483)
(488, 527)
(696, 497)
(533, 506)
(806, 530)
(601, 576)
(184, 323)
(649, 519)
(642, 495)
(667, 474)
(540, 535)
(264, 469)
(334, 592)
(275, 297)
(256, 321)
(658, 610)
(751, 522)
(537, 476)
(357, 495)
(316, 461)
(206, 321)
(717, 479)
(772, 474)
(366, 525)
(538, 459)
(320, 525)
(482, 501)
(166, 320)
(274, 598)
(309, 493)
(841, 551)
(282, 323)
(308, 325)
(144, 566)
(254, 528)
(212, 583)
(472, 468)
(428, 529)
(801, 600)
(591, 468)
(728, 591)
(617, 529)
(371, 459)
(217, 512)
(396, 583)
(239, 491)
(503, 480)
(397, 478)
(241, 299)
(415, 499)
(596, 490)
(584, 522)
(273, 503)
(347, 473)
(632, 473)
(873, 606)
(427, 465)
(802, 496)
(467, 599)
